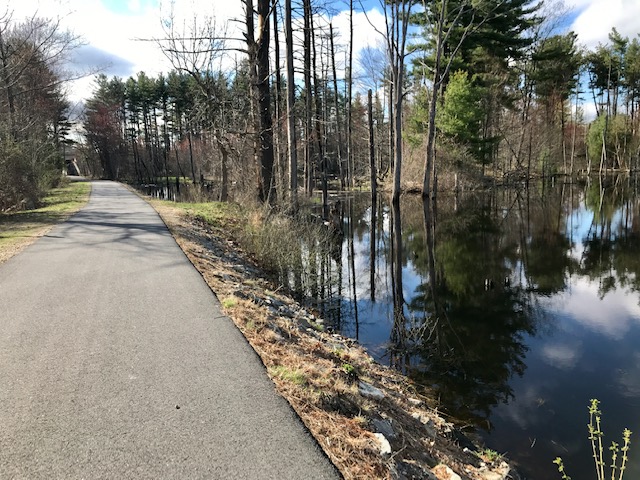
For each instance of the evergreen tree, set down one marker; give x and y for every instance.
(104, 126)
(556, 67)
(461, 115)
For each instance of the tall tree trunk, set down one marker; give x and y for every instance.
(224, 180)
(165, 139)
(266, 128)
(431, 135)
(341, 165)
(308, 150)
(291, 98)
(259, 73)
(396, 49)
(391, 121)
(573, 135)
(349, 101)
(321, 160)
(277, 102)
(6, 78)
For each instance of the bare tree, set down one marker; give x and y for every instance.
(308, 131)
(197, 48)
(33, 107)
(291, 98)
(341, 165)
(349, 101)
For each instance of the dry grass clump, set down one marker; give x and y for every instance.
(280, 243)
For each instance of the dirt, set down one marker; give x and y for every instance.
(369, 419)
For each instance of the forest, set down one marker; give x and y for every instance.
(454, 94)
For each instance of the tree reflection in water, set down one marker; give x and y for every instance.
(472, 319)
(456, 294)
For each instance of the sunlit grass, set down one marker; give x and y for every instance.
(294, 376)
(229, 302)
(58, 205)
(216, 214)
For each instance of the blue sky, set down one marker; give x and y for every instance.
(110, 28)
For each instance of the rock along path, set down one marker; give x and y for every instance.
(116, 362)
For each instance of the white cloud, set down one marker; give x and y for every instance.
(366, 28)
(612, 316)
(597, 17)
(117, 33)
(561, 356)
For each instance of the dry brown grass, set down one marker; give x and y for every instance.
(318, 373)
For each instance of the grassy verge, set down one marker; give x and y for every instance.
(217, 215)
(19, 229)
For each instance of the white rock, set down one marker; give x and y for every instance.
(369, 391)
(492, 476)
(385, 446)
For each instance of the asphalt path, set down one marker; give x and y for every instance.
(116, 362)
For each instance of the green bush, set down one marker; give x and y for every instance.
(618, 139)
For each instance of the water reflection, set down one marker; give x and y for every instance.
(475, 317)
(516, 307)
(180, 191)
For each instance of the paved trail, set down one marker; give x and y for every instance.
(116, 362)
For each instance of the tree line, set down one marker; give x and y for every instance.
(462, 94)
(34, 123)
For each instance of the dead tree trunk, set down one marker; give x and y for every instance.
(372, 152)
(308, 149)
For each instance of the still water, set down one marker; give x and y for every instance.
(516, 306)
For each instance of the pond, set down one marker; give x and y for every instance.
(515, 306)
